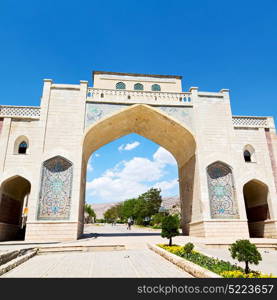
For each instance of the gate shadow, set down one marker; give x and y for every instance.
(95, 235)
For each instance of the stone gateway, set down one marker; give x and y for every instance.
(227, 164)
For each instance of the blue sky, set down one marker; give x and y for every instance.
(213, 44)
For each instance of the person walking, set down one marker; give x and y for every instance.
(129, 222)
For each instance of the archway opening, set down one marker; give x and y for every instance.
(13, 202)
(256, 203)
(158, 127)
(135, 176)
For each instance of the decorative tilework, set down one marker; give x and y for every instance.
(221, 192)
(55, 192)
(182, 114)
(97, 111)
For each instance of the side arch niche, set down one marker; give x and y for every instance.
(55, 189)
(256, 197)
(14, 193)
(223, 204)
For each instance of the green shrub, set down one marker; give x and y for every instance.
(170, 227)
(210, 263)
(245, 251)
(188, 248)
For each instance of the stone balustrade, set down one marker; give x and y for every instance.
(24, 112)
(246, 121)
(147, 97)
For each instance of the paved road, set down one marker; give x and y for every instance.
(136, 261)
(122, 263)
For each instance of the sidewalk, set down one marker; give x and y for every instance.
(137, 238)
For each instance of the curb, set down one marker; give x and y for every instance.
(8, 256)
(184, 264)
(16, 262)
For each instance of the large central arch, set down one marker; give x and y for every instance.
(156, 126)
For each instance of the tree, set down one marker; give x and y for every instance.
(89, 213)
(152, 202)
(139, 209)
(170, 227)
(127, 208)
(147, 205)
(243, 250)
(119, 208)
(111, 214)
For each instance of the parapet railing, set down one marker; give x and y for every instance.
(22, 112)
(254, 122)
(149, 97)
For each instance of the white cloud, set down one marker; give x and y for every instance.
(128, 179)
(129, 146)
(162, 156)
(140, 169)
(109, 189)
(166, 186)
(121, 147)
(89, 166)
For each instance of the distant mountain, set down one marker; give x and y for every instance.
(100, 208)
(171, 203)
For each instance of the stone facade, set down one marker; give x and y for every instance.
(47, 181)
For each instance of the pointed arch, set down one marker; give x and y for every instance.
(146, 121)
(14, 192)
(156, 126)
(256, 193)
